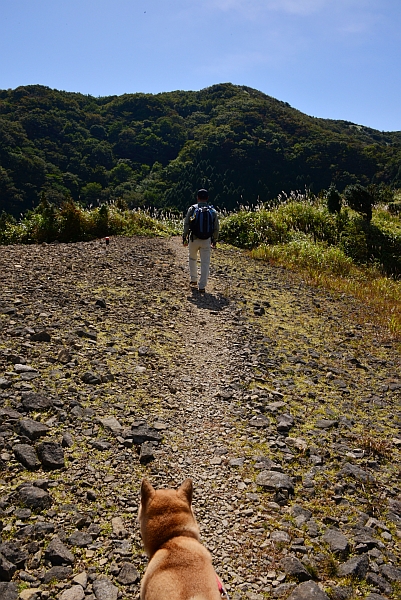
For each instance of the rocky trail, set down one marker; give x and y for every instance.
(280, 401)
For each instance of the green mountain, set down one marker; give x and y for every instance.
(159, 149)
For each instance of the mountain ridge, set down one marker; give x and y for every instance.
(157, 149)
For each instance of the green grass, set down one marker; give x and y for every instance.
(72, 223)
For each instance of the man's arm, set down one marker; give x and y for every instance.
(216, 229)
(185, 234)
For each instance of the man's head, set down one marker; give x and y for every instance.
(203, 195)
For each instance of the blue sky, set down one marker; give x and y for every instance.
(337, 59)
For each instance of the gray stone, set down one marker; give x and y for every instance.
(105, 590)
(67, 441)
(312, 528)
(144, 433)
(9, 413)
(91, 378)
(273, 480)
(111, 424)
(43, 529)
(147, 453)
(285, 422)
(308, 590)
(19, 368)
(280, 537)
(57, 573)
(32, 402)
(236, 462)
(7, 568)
(51, 455)
(341, 592)
(391, 573)
(128, 574)
(326, 423)
(80, 539)
(35, 498)
(81, 579)
(58, 554)
(260, 422)
(13, 552)
(373, 596)
(64, 356)
(33, 429)
(366, 539)
(337, 542)
(73, 593)
(293, 567)
(379, 582)
(265, 463)
(41, 336)
(26, 455)
(395, 506)
(4, 383)
(8, 591)
(83, 333)
(100, 444)
(144, 351)
(356, 472)
(278, 592)
(298, 511)
(356, 567)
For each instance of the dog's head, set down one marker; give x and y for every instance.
(165, 514)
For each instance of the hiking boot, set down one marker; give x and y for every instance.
(202, 290)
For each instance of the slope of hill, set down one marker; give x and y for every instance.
(158, 149)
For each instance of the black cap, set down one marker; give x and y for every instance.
(203, 194)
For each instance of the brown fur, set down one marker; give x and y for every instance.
(179, 568)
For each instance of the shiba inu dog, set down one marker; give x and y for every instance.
(180, 567)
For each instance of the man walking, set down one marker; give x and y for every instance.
(201, 231)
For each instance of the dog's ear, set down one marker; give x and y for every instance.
(186, 490)
(147, 491)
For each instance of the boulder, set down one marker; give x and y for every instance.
(33, 429)
(35, 498)
(308, 590)
(51, 455)
(26, 455)
(58, 554)
(356, 567)
(275, 481)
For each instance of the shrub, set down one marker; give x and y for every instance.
(334, 200)
(359, 199)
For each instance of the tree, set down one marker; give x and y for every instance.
(333, 200)
(90, 193)
(359, 199)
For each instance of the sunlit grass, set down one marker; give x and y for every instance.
(72, 223)
(330, 268)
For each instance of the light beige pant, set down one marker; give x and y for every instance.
(204, 249)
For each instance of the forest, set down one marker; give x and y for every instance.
(146, 150)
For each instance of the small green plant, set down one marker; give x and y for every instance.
(375, 446)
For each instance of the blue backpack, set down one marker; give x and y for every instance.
(201, 222)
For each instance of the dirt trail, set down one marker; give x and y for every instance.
(279, 400)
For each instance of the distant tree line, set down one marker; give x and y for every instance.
(157, 150)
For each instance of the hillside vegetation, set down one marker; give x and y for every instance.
(156, 150)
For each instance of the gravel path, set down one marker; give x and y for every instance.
(282, 402)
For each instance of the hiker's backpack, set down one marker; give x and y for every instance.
(201, 222)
